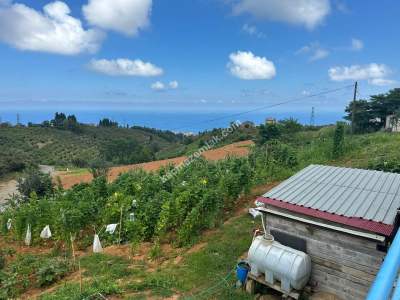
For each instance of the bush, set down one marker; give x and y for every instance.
(35, 182)
(338, 140)
(2, 261)
(268, 132)
(98, 168)
(51, 271)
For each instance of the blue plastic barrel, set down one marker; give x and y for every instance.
(242, 269)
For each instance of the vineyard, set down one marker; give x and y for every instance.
(153, 212)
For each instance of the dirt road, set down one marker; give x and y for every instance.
(9, 187)
(235, 149)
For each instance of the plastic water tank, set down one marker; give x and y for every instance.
(278, 262)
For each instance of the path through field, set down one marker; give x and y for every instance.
(236, 149)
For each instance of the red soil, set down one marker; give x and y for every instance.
(235, 149)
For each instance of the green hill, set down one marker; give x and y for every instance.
(21, 147)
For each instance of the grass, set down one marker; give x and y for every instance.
(108, 266)
(203, 274)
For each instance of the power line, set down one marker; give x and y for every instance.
(266, 106)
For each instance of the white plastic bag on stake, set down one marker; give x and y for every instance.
(111, 228)
(97, 245)
(46, 233)
(9, 222)
(28, 236)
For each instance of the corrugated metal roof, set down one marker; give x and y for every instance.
(352, 193)
(368, 225)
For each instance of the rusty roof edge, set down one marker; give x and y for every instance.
(364, 224)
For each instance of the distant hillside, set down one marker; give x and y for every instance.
(78, 144)
(21, 147)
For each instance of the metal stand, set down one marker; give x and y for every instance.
(250, 287)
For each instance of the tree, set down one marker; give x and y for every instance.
(338, 140)
(98, 168)
(370, 115)
(268, 132)
(58, 121)
(363, 116)
(72, 124)
(105, 122)
(36, 182)
(122, 151)
(290, 126)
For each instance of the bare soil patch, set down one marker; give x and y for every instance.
(236, 149)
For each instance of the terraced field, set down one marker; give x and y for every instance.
(68, 179)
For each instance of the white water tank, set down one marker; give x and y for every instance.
(278, 262)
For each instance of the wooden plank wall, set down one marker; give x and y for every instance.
(342, 264)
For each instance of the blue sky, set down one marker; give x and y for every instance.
(197, 55)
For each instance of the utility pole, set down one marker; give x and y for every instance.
(312, 117)
(353, 107)
(17, 119)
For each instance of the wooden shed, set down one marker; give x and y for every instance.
(343, 218)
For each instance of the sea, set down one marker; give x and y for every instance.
(182, 121)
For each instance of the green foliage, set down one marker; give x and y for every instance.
(105, 266)
(268, 132)
(33, 181)
(155, 251)
(290, 126)
(12, 160)
(124, 151)
(99, 168)
(2, 261)
(386, 164)
(338, 140)
(51, 271)
(105, 122)
(27, 270)
(96, 289)
(370, 115)
(23, 147)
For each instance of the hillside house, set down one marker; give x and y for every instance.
(343, 218)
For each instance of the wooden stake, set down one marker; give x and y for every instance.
(80, 276)
(120, 226)
(73, 249)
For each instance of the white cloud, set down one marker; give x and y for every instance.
(125, 67)
(245, 65)
(314, 50)
(52, 30)
(382, 81)
(158, 86)
(308, 13)
(173, 84)
(253, 31)
(376, 74)
(126, 16)
(357, 44)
